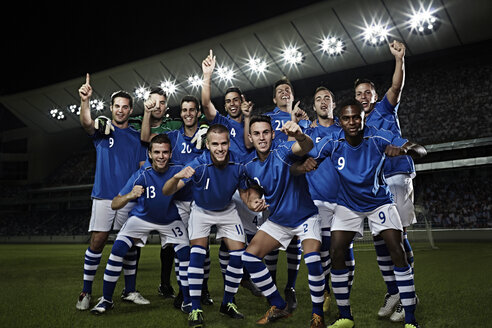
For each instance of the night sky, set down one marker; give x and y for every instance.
(46, 44)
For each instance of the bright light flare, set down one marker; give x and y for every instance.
(74, 109)
(333, 46)
(423, 22)
(57, 114)
(225, 73)
(376, 35)
(97, 105)
(257, 65)
(142, 93)
(169, 87)
(195, 81)
(292, 56)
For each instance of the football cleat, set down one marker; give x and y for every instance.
(206, 299)
(317, 321)
(399, 314)
(230, 309)
(83, 302)
(342, 323)
(249, 285)
(390, 302)
(178, 300)
(186, 308)
(326, 302)
(102, 306)
(291, 299)
(166, 291)
(135, 297)
(412, 325)
(195, 319)
(273, 314)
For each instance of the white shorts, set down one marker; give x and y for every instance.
(309, 229)
(401, 187)
(382, 218)
(326, 211)
(184, 209)
(103, 217)
(227, 222)
(173, 233)
(251, 220)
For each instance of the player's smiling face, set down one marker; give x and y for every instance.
(323, 104)
(189, 113)
(366, 95)
(121, 110)
(160, 107)
(351, 120)
(160, 156)
(261, 136)
(233, 104)
(283, 94)
(218, 144)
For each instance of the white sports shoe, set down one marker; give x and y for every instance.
(102, 306)
(83, 302)
(135, 297)
(399, 314)
(390, 302)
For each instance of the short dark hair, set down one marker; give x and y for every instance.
(321, 88)
(122, 94)
(283, 80)
(159, 139)
(260, 118)
(217, 128)
(233, 89)
(158, 91)
(364, 80)
(349, 102)
(190, 98)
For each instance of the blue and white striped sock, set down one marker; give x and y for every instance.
(386, 266)
(114, 266)
(339, 284)
(294, 254)
(262, 279)
(271, 260)
(350, 263)
(316, 281)
(91, 263)
(406, 287)
(233, 276)
(408, 250)
(325, 255)
(130, 270)
(206, 267)
(182, 252)
(223, 258)
(195, 274)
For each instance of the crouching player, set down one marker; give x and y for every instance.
(358, 153)
(153, 211)
(292, 213)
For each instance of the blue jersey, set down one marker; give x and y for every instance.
(323, 182)
(279, 118)
(236, 132)
(153, 206)
(362, 186)
(385, 116)
(288, 195)
(183, 150)
(213, 187)
(117, 157)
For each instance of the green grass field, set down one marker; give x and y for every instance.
(40, 285)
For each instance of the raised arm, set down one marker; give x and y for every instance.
(303, 144)
(394, 92)
(145, 130)
(121, 200)
(409, 148)
(208, 66)
(85, 93)
(246, 109)
(176, 183)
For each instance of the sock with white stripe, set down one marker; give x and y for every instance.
(91, 263)
(182, 252)
(206, 268)
(406, 287)
(271, 260)
(115, 263)
(294, 254)
(223, 258)
(350, 263)
(195, 274)
(325, 255)
(130, 269)
(386, 266)
(233, 275)
(408, 249)
(339, 284)
(262, 279)
(316, 281)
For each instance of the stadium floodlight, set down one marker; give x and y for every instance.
(74, 109)
(424, 22)
(225, 73)
(195, 81)
(142, 93)
(57, 114)
(376, 35)
(97, 105)
(169, 87)
(292, 56)
(333, 46)
(257, 65)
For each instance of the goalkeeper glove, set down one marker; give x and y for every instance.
(103, 125)
(200, 137)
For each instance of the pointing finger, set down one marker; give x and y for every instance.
(87, 79)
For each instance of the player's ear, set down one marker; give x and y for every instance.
(274, 101)
(206, 144)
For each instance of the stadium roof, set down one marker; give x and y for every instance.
(459, 23)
